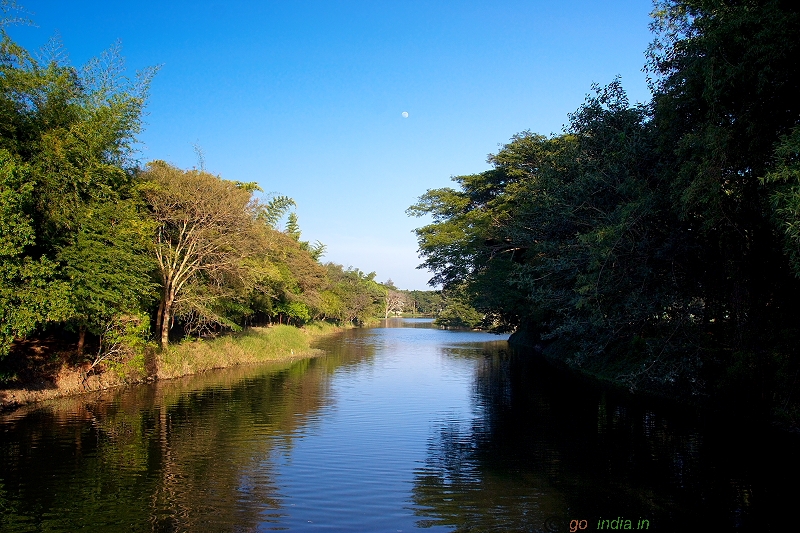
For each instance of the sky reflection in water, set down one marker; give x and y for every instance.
(397, 428)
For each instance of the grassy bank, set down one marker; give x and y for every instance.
(254, 345)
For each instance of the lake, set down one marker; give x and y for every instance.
(396, 428)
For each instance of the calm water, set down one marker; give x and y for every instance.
(395, 429)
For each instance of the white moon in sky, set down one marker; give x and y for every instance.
(404, 114)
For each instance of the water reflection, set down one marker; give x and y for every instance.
(182, 455)
(544, 449)
(395, 428)
(473, 478)
(396, 322)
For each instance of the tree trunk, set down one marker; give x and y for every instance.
(159, 315)
(166, 308)
(81, 340)
(165, 328)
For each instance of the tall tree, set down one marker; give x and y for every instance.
(204, 227)
(30, 292)
(394, 301)
(66, 137)
(726, 84)
(108, 266)
(641, 244)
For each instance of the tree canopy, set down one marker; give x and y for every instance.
(69, 213)
(93, 245)
(655, 244)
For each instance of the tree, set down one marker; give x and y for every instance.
(641, 243)
(425, 302)
(785, 198)
(108, 266)
(393, 302)
(204, 227)
(271, 212)
(458, 314)
(316, 250)
(564, 237)
(352, 296)
(30, 292)
(297, 279)
(66, 135)
(725, 93)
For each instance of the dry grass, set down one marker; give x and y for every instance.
(256, 345)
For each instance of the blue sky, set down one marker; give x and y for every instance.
(306, 97)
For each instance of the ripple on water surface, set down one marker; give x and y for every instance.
(396, 428)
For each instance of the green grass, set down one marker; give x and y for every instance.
(315, 329)
(255, 345)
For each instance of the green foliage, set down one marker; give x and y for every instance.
(299, 280)
(785, 197)
(29, 294)
(123, 342)
(425, 302)
(295, 311)
(292, 227)
(351, 295)
(567, 236)
(640, 244)
(16, 198)
(65, 139)
(725, 94)
(458, 314)
(89, 243)
(271, 212)
(316, 250)
(108, 263)
(205, 228)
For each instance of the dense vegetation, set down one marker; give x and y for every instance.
(110, 255)
(656, 245)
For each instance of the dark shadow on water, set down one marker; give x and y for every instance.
(543, 450)
(525, 449)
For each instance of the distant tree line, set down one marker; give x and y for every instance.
(96, 246)
(658, 244)
(415, 303)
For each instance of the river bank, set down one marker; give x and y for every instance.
(252, 346)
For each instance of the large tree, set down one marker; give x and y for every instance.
(66, 139)
(642, 242)
(204, 230)
(725, 93)
(394, 301)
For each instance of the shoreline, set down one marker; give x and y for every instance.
(275, 344)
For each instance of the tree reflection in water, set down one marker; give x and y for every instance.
(471, 479)
(511, 446)
(544, 448)
(192, 454)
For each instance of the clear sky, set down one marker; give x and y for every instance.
(306, 97)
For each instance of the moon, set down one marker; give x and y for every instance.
(404, 114)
